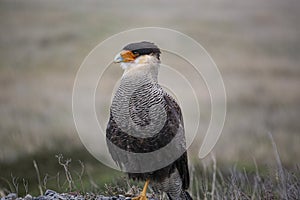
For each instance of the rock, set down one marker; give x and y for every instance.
(11, 196)
(40, 198)
(53, 195)
(28, 197)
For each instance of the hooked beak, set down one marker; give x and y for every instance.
(118, 58)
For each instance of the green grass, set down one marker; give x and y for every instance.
(77, 171)
(86, 172)
(252, 45)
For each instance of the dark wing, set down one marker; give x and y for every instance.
(115, 138)
(182, 162)
(173, 129)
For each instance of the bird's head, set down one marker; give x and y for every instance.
(137, 54)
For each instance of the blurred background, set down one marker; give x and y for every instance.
(256, 45)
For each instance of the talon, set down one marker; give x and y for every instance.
(142, 196)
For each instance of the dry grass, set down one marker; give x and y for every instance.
(254, 43)
(208, 181)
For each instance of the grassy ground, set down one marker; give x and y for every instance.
(208, 180)
(85, 173)
(42, 44)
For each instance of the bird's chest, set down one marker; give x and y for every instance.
(138, 110)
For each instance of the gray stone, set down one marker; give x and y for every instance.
(40, 198)
(11, 196)
(28, 197)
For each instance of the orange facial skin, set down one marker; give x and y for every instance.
(128, 56)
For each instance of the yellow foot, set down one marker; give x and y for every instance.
(141, 197)
(143, 194)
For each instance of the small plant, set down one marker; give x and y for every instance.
(207, 181)
(68, 175)
(38, 177)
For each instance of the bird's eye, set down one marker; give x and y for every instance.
(135, 53)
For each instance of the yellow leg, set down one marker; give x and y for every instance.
(143, 194)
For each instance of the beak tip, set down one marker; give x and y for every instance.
(118, 58)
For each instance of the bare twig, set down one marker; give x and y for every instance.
(65, 164)
(15, 181)
(57, 181)
(45, 180)
(80, 175)
(25, 184)
(8, 183)
(214, 176)
(257, 180)
(280, 168)
(205, 181)
(92, 182)
(38, 177)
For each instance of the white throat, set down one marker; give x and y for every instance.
(145, 64)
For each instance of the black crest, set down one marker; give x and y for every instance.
(143, 48)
